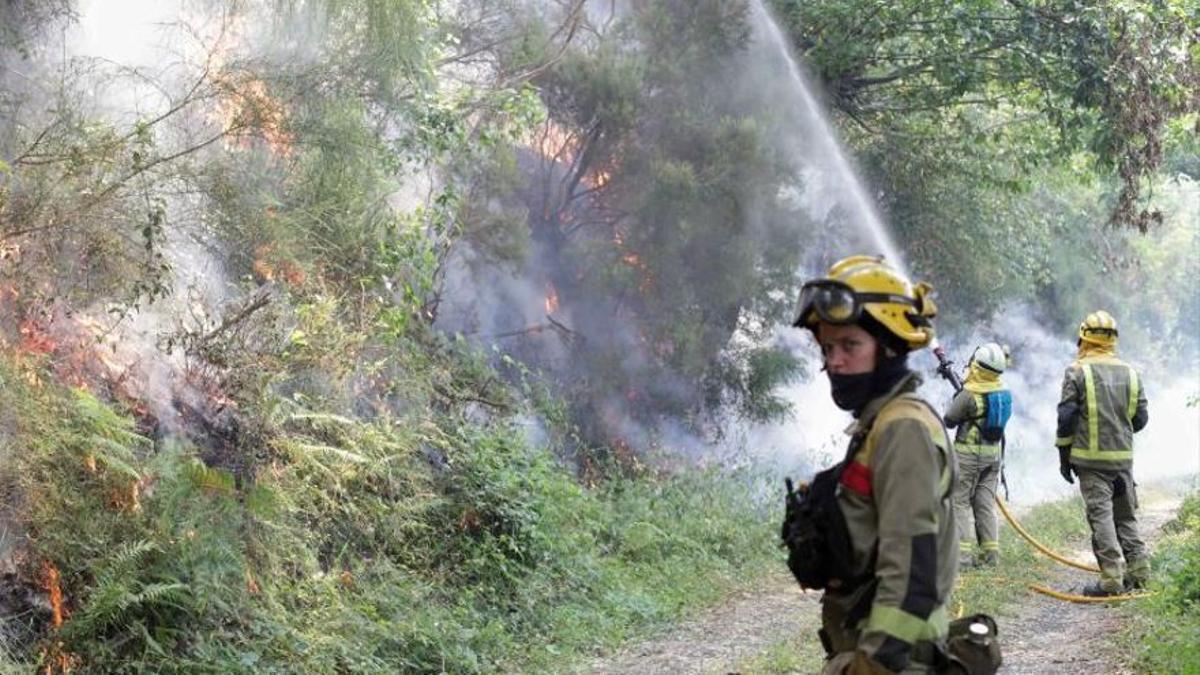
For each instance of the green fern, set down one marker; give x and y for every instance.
(120, 594)
(208, 478)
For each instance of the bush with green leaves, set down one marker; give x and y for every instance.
(1162, 633)
(426, 543)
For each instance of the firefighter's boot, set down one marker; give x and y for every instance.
(1098, 589)
(1137, 573)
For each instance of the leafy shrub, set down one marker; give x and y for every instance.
(1163, 634)
(433, 544)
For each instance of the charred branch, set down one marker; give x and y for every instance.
(257, 302)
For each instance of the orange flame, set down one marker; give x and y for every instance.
(81, 348)
(249, 109)
(561, 146)
(267, 270)
(57, 659)
(633, 260)
(128, 499)
(556, 143)
(597, 179)
(35, 339)
(551, 298)
(262, 267)
(51, 581)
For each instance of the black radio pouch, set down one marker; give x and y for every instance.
(814, 530)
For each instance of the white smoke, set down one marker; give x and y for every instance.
(125, 32)
(814, 435)
(1168, 447)
(813, 438)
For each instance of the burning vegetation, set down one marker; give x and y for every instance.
(350, 339)
(247, 109)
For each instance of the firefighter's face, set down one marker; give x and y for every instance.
(848, 350)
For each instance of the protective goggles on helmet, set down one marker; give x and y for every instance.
(838, 304)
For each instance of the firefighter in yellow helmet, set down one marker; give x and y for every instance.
(1103, 404)
(894, 556)
(980, 411)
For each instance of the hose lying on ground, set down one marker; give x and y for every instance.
(1039, 545)
(1069, 597)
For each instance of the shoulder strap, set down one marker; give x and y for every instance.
(946, 482)
(856, 442)
(981, 409)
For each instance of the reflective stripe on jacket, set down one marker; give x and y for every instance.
(1103, 403)
(896, 500)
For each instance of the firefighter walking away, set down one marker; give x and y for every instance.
(1103, 404)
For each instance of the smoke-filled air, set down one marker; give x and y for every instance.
(461, 336)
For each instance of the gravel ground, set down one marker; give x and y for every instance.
(1049, 635)
(741, 627)
(1044, 636)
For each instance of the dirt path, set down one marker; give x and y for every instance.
(1043, 635)
(1048, 635)
(744, 625)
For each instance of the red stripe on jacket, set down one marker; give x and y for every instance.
(857, 477)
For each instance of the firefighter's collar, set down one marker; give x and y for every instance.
(908, 383)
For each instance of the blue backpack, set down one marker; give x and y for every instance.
(998, 409)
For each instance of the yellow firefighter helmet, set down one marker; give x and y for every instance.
(1099, 328)
(867, 284)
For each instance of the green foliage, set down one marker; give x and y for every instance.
(960, 76)
(1003, 147)
(432, 544)
(120, 594)
(74, 161)
(1179, 561)
(389, 511)
(1163, 631)
(390, 45)
(748, 381)
(146, 545)
(657, 221)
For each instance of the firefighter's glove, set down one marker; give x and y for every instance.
(1064, 464)
(865, 665)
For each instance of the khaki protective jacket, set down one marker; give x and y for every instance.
(1103, 403)
(896, 497)
(966, 411)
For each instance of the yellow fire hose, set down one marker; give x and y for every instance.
(1046, 590)
(1069, 597)
(1039, 545)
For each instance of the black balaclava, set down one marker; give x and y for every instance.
(853, 392)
